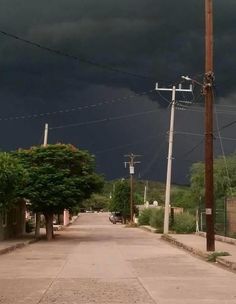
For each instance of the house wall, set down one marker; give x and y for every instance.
(66, 218)
(231, 215)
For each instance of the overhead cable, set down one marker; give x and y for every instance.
(80, 108)
(79, 58)
(108, 119)
(222, 147)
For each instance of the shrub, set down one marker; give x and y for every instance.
(144, 217)
(157, 219)
(184, 223)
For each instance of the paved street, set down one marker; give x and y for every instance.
(94, 261)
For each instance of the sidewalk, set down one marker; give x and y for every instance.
(7, 246)
(196, 244)
(12, 244)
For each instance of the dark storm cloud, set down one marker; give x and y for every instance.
(161, 40)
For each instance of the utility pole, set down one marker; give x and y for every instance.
(170, 149)
(145, 192)
(208, 91)
(38, 215)
(45, 139)
(131, 164)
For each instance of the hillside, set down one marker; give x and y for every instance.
(155, 190)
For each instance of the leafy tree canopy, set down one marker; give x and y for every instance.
(183, 197)
(121, 198)
(61, 176)
(12, 178)
(224, 178)
(96, 202)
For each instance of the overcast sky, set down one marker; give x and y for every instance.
(101, 96)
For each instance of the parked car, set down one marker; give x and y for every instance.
(115, 217)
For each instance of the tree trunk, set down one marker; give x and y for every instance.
(37, 225)
(49, 226)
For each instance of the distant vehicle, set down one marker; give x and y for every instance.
(115, 217)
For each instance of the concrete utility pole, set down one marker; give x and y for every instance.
(145, 192)
(45, 140)
(208, 91)
(131, 164)
(169, 163)
(38, 215)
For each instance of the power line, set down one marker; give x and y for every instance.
(188, 133)
(165, 99)
(192, 149)
(222, 149)
(79, 58)
(201, 110)
(226, 138)
(202, 135)
(68, 110)
(104, 120)
(127, 145)
(200, 143)
(225, 106)
(228, 125)
(155, 157)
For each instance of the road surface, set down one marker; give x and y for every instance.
(96, 262)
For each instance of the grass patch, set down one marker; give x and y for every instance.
(212, 257)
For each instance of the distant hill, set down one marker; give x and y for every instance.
(155, 190)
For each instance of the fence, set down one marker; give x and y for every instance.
(225, 219)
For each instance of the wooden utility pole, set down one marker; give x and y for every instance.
(208, 91)
(131, 164)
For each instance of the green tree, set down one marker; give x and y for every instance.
(60, 177)
(96, 202)
(155, 195)
(12, 178)
(138, 199)
(197, 180)
(224, 178)
(183, 198)
(121, 199)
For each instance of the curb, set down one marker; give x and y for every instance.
(17, 246)
(193, 250)
(220, 260)
(226, 263)
(148, 228)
